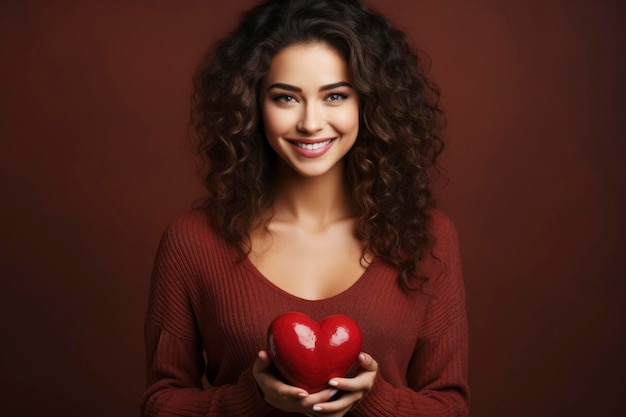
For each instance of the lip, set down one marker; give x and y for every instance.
(311, 153)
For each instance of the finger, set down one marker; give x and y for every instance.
(261, 364)
(268, 382)
(345, 402)
(264, 356)
(318, 397)
(363, 381)
(285, 390)
(367, 362)
(289, 391)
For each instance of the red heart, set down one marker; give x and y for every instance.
(309, 354)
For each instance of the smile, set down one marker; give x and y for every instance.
(312, 146)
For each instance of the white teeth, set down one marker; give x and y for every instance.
(312, 146)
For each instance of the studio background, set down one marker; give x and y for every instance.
(94, 164)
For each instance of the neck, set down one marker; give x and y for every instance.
(314, 202)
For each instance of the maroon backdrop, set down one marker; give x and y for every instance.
(94, 165)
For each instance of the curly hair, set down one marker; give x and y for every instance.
(388, 169)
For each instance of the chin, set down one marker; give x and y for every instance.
(315, 170)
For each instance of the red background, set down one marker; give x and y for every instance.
(94, 165)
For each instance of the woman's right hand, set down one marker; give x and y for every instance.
(283, 396)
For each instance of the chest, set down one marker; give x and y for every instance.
(311, 266)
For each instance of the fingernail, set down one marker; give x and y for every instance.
(332, 393)
(362, 356)
(317, 408)
(303, 394)
(333, 383)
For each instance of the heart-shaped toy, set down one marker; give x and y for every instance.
(309, 354)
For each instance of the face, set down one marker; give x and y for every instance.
(310, 109)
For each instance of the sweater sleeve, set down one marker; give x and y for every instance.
(437, 376)
(174, 353)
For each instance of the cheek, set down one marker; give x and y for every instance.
(276, 122)
(348, 120)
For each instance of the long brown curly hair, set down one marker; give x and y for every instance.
(387, 170)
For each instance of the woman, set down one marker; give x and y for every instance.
(318, 133)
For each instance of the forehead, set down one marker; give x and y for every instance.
(308, 63)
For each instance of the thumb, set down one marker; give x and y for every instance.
(264, 357)
(367, 362)
(262, 362)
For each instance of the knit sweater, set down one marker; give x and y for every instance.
(209, 309)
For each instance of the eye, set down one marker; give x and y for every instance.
(284, 98)
(336, 97)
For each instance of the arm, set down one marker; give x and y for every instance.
(174, 352)
(442, 396)
(437, 376)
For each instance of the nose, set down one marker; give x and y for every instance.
(312, 119)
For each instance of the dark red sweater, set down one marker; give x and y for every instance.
(209, 309)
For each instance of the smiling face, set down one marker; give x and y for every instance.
(310, 109)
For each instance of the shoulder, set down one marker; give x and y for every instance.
(193, 223)
(189, 247)
(443, 256)
(190, 230)
(441, 227)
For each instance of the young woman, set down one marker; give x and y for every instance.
(318, 131)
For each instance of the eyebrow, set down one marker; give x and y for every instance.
(299, 90)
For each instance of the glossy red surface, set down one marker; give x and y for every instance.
(308, 354)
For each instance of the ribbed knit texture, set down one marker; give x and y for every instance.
(209, 309)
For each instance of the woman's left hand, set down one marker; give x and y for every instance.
(352, 389)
